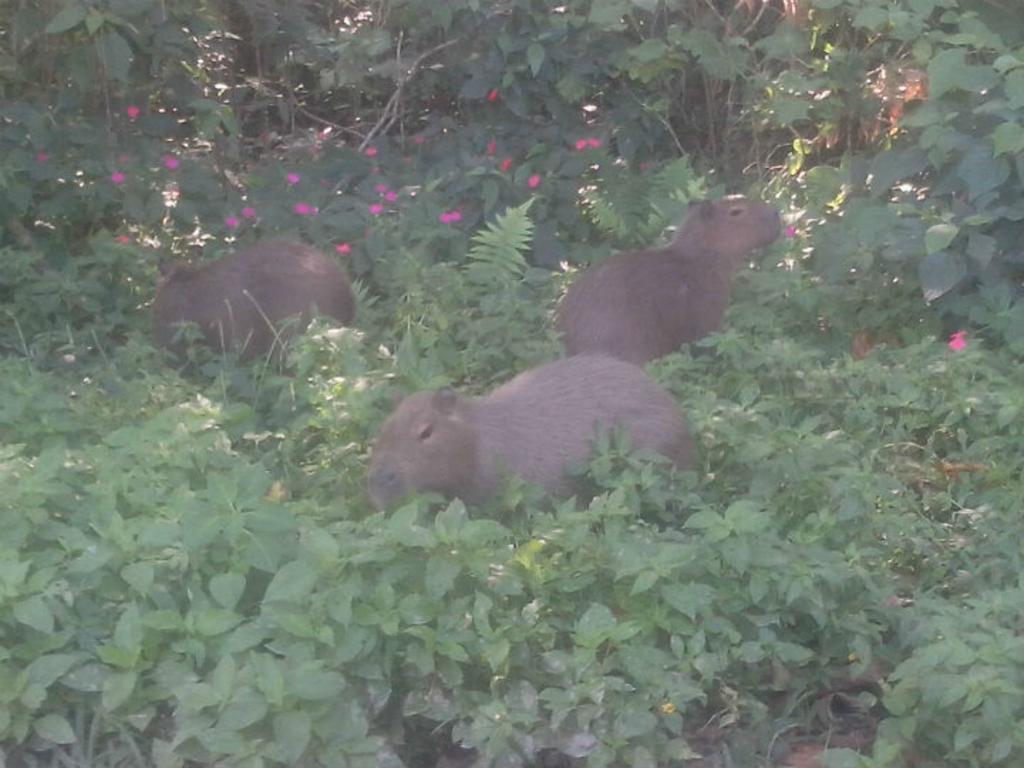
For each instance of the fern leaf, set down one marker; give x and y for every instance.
(497, 251)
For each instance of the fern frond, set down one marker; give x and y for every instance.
(497, 251)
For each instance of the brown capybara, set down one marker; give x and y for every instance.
(640, 305)
(243, 299)
(536, 426)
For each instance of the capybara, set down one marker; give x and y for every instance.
(640, 305)
(243, 299)
(536, 426)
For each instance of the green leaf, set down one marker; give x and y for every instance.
(47, 669)
(128, 631)
(292, 731)
(269, 677)
(227, 588)
(535, 57)
(632, 721)
(87, 678)
(496, 653)
(210, 622)
(1008, 138)
(939, 236)
(440, 575)
(139, 576)
(1015, 88)
(117, 688)
(607, 14)
(246, 706)
(294, 581)
(981, 171)
(69, 17)
(981, 248)
(594, 626)
(54, 728)
(116, 53)
(892, 165)
(939, 273)
(34, 613)
(497, 252)
(93, 21)
(948, 70)
(786, 110)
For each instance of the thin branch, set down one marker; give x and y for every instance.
(392, 108)
(662, 119)
(317, 119)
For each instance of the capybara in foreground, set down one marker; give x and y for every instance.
(640, 305)
(536, 426)
(242, 300)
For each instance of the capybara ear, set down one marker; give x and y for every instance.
(444, 400)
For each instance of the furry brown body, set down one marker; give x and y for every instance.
(641, 305)
(242, 300)
(536, 426)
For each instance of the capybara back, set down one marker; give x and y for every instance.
(245, 299)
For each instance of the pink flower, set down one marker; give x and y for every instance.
(493, 95)
(492, 147)
(790, 231)
(381, 188)
(594, 143)
(248, 213)
(170, 162)
(231, 222)
(123, 239)
(581, 143)
(376, 209)
(957, 341)
(343, 248)
(132, 112)
(391, 195)
(293, 178)
(506, 164)
(534, 181)
(370, 151)
(303, 209)
(450, 217)
(42, 157)
(117, 178)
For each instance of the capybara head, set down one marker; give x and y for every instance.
(429, 443)
(730, 227)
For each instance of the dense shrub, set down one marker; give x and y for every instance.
(192, 573)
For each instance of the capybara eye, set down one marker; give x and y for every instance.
(426, 430)
(737, 211)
